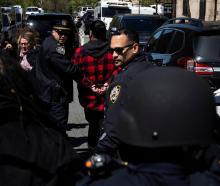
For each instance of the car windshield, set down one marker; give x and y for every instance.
(44, 24)
(110, 12)
(32, 9)
(142, 24)
(207, 46)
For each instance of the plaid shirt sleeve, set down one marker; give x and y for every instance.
(97, 72)
(77, 60)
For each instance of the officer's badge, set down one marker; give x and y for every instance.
(60, 50)
(64, 22)
(115, 93)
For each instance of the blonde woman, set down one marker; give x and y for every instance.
(27, 44)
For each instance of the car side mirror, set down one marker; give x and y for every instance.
(148, 47)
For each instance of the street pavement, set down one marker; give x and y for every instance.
(77, 125)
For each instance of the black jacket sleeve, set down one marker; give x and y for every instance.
(64, 66)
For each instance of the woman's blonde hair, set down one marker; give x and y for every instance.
(31, 35)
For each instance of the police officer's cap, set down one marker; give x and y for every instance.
(62, 25)
(163, 107)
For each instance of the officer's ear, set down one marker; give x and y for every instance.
(135, 48)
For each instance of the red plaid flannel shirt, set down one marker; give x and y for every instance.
(96, 71)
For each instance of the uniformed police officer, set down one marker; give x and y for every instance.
(164, 118)
(125, 49)
(56, 66)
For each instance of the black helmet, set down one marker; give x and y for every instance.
(162, 107)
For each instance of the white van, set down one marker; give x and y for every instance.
(32, 10)
(84, 9)
(143, 10)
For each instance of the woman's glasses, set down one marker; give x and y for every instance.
(119, 50)
(23, 44)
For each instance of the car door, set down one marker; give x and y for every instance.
(158, 46)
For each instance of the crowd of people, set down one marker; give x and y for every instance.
(152, 126)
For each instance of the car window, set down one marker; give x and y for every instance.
(32, 9)
(152, 44)
(106, 12)
(5, 20)
(207, 46)
(164, 41)
(177, 42)
(143, 24)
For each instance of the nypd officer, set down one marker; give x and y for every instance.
(128, 57)
(165, 119)
(56, 67)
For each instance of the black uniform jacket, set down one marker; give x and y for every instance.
(109, 142)
(153, 174)
(57, 68)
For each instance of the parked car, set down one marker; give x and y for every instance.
(31, 10)
(145, 25)
(43, 23)
(190, 44)
(11, 21)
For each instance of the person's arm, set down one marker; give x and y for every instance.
(76, 60)
(63, 65)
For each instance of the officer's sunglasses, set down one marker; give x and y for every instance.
(62, 33)
(120, 50)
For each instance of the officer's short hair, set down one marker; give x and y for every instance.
(98, 29)
(131, 34)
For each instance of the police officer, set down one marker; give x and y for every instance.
(56, 67)
(127, 56)
(164, 118)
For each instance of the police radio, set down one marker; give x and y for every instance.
(102, 164)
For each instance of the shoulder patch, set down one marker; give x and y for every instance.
(115, 93)
(60, 50)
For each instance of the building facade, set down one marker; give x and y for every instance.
(207, 10)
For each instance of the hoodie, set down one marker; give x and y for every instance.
(96, 48)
